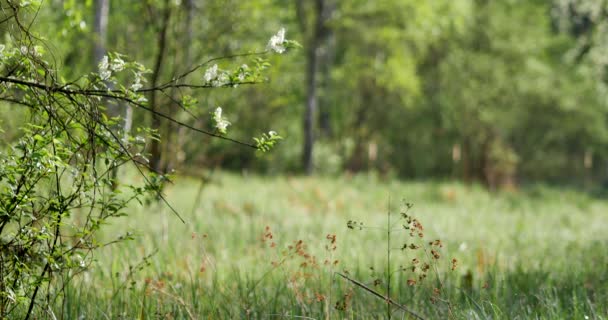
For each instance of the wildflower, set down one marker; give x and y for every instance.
(277, 41)
(104, 73)
(436, 243)
(211, 73)
(319, 297)
(330, 237)
(435, 254)
(220, 123)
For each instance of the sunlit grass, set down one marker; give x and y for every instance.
(538, 251)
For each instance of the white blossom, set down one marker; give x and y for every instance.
(221, 80)
(117, 64)
(243, 72)
(277, 41)
(137, 84)
(217, 114)
(211, 73)
(104, 73)
(220, 123)
(272, 133)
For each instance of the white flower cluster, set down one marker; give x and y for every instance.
(211, 73)
(137, 83)
(104, 71)
(220, 123)
(215, 77)
(106, 68)
(277, 42)
(117, 64)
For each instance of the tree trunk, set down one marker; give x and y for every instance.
(311, 106)
(325, 66)
(102, 10)
(325, 63)
(155, 148)
(312, 59)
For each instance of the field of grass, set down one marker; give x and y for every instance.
(539, 253)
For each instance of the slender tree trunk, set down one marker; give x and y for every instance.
(102, 10)
(161, 44)
(312, 67)
(128, 121)
(102, 13)
(189, 7)
(326, 62)
(324, 110)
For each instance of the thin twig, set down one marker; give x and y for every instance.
(380, 296)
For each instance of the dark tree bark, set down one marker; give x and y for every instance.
(161, 44)
(314, 41)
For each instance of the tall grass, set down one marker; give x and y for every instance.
(537, 253)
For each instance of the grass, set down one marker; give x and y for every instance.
(539, 253)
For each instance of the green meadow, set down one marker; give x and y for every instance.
(260, 247)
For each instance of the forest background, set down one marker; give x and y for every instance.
(498, 92)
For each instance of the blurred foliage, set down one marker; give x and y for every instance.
(501, 92)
